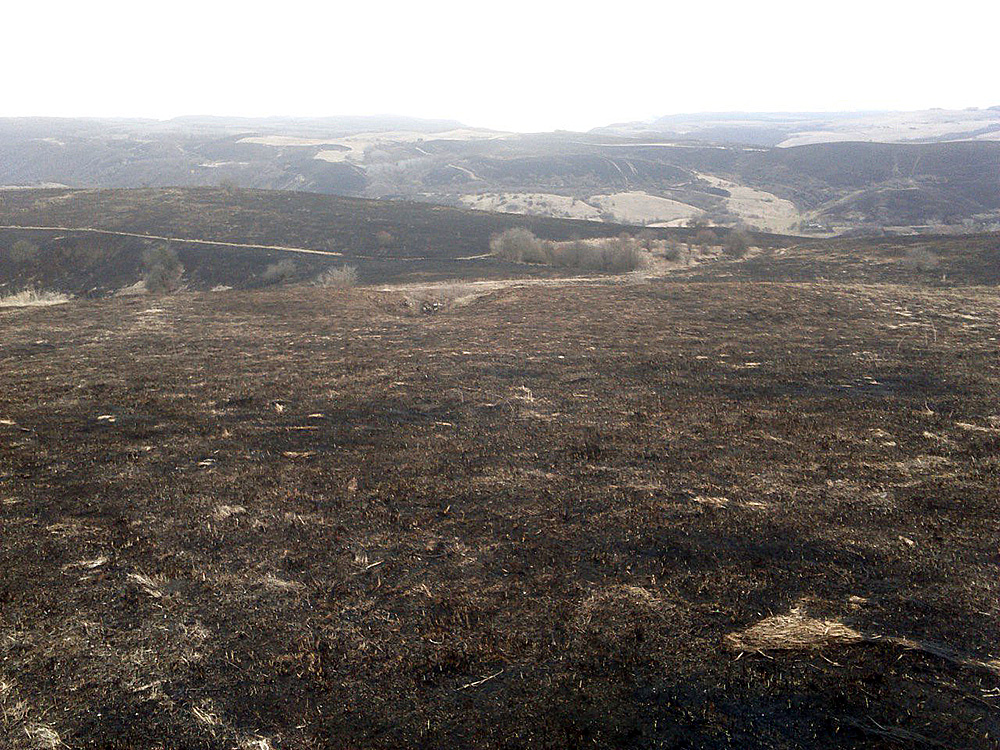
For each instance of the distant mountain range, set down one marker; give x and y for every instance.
(786, 129)
(805, 173)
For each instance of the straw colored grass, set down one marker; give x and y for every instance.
(798, 632)
(34, 298)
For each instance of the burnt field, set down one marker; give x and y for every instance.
(306, 220)
(708, 512)
(91, 243)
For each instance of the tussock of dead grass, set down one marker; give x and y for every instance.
(205, 714)
(43, 736)
(12, 711)
(799, 632)
(15, 729)
(33, 298)
(88, 564)
(279, 584)
(222, 512)
(147, 584)
(795, 632)
(620, 610)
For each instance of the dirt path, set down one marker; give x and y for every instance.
(223, 243)
(162, 238)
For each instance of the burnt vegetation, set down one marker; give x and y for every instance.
(749, 503)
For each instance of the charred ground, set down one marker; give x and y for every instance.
(389, 241)
(300, 518)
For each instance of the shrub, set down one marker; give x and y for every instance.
(672, 251)
(163, 269)
(338, 278)
(575, 254)
(611, 255)
(519, 245)
(736, 244)
(276, 273)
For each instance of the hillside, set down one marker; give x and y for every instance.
(231, 237)
(619, 176)
(749, 505)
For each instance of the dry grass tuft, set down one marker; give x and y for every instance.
(711, 501)
(43, 736)
(89, 564)
(206, 715)
(34, 298)
(12, 711)
(15, 729)
(222, 512)
(797, 632)
(793, 632)
(147, 584)
(620, 609)
(271, 581)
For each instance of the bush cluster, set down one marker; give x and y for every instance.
(279, 272)
(338, 278)
(609, 255)
(163, 269)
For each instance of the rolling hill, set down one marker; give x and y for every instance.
(615, 175)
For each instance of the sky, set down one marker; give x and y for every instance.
(514, 65)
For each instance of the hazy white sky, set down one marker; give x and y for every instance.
(509, 64)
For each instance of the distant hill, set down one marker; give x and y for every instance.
(763, 170)
(801, 128)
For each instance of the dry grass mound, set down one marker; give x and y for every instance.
(798, 632)
(794, 632)
(34, 298)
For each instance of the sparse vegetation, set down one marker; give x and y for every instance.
(736, 244)
(163, 269)
(33, 298)
(518, 245)
(279, 272)
(706, 238)
(384, 240)
(339, 278)
(23, 251)
(921, 259)
(608, 255)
